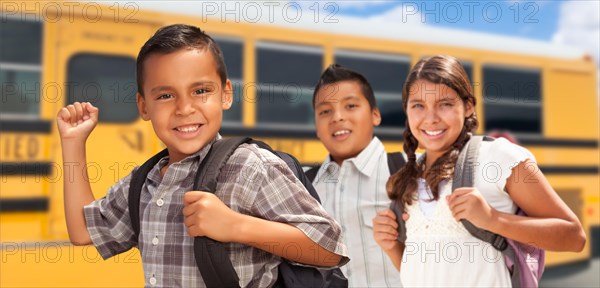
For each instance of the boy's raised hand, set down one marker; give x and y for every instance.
(206, 215)
(76, 121)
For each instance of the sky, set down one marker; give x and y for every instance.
(572, 23)
(528, 19)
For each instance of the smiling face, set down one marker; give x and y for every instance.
(344, 119)
(184, 100)
(436, 115)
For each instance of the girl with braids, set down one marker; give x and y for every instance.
(439, 251)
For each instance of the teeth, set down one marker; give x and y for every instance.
(433, 133)
(341, 132)
(187, 129)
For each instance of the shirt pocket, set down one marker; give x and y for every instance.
(370, 208)
(367, 218)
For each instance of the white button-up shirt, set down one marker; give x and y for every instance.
(353, 194)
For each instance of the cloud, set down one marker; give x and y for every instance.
(539, 4)
(579, 26)
(407, 14)
(346, 4)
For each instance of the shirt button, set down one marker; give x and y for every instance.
(152, 281)
(160, 202)
(155, 240)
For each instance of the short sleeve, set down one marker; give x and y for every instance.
(108, 222)
(280, 197)
(496, 161)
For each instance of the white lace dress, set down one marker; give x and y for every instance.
(439, 251)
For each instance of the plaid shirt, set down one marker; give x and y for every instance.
(253, 182)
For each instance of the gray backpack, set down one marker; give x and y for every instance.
(524, 262)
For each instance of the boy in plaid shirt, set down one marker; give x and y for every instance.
(260, 214)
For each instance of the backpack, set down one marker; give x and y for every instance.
(524, 262)
(395, 162)
(211, 258)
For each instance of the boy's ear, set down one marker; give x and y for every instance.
(141, 104)
(227, 95)
(376, 116)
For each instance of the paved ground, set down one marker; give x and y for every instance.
(586, 274)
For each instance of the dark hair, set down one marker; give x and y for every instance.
(337, 73)
(438, 69)
(171, 38)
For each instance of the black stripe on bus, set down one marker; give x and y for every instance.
(595, 236)
(569, 170)
(13, 125)
(545, 142)
(24, 205)
(396, 135)
(296, 132)
(29, 168)
(303, 133)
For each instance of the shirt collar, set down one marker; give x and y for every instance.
(194, 158)
(201, 153)
(365, 162)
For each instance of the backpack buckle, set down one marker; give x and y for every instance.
(500, 243)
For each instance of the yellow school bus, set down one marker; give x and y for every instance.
(54, 53)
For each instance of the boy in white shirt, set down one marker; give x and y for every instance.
(351, 182)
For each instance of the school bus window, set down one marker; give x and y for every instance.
(469, 69)
(286, 78)
(386, 73)
(291, 105)
(20, 67)
(233, 54)
(20, 92)
(234, 114)
(234, 59)
(20, 41)
(512, 99)
(110, 85)
(391, 111)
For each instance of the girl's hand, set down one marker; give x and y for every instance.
(467, 203)
(385, 229)
(76, 121)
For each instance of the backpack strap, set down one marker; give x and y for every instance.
(211, 257)
(464, 176)
(135, 189)
(210, 168)
(395, 162)
(311, 173)
(398, 209)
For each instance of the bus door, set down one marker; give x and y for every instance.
(24, 132)
(96, 62)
